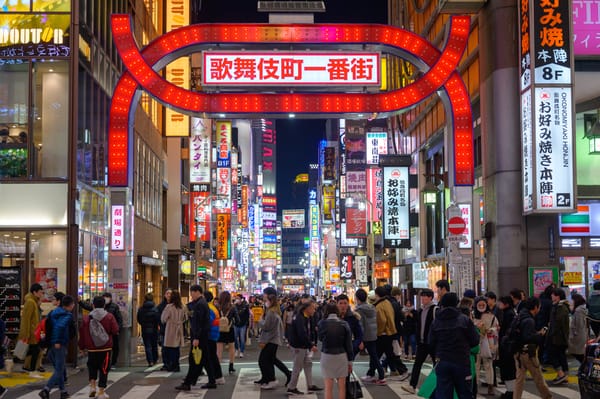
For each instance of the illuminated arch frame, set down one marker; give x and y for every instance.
(141, 72)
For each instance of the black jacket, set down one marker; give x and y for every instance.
(336, 337)
(527, 332)
(355, 328)
(428, 320)
(243, 314)
(398, 315)
(199, 319)
(302, 333)
(148, 318)
(452, 336)
(113, 309)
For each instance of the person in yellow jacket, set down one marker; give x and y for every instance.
(386, 328)
(30, 318)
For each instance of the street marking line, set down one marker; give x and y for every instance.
(244, 384)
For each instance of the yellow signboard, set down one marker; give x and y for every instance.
(573, 278)
(223, 236)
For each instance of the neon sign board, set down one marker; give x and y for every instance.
(290, 68)
(440, 72)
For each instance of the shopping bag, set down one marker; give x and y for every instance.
(428, 387)
(353, 389)
(21, 349)
(197, 354)
(484, 349)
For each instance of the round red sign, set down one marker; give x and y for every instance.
(456, 225)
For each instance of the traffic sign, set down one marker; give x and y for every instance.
(456, 225)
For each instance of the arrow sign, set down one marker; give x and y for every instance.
(456, 225)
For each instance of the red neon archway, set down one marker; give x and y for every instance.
(140, 73)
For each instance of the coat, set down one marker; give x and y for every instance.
(173, 318)
(148, 318)
(386, 323)
(272, 328)
(368, 321)
(558, 333)
(578, 332)
(30, 318)
(110, 326)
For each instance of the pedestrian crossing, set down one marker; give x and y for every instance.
(138, 383)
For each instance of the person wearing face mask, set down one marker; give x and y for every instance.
(488, 326)
(113, 309)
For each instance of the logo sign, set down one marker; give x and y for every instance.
(117, 223)
(334, 273)
(33, 35)
(362, 269)
(382, 269)
(377, 144)
(200, 150)
(456, 225)
(246, 68)
(586, 25)
(346, 266)
(396, 207)
(223, 236)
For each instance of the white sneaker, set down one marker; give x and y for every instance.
(404, 376)
(220, 381)
(241, 355)
(103, 396)
(368, 378)
(270, 385)
(35, 374)
(236, 353)
(408, 389)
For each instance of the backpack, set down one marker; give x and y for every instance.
(43, 332)
(98, 333)
(512, 338)
(224, 324)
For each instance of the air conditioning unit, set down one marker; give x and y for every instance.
(460, 6)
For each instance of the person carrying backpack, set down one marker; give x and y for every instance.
(96, 336)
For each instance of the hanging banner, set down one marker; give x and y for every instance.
(346, 266)
(223, 144)
(356, 221)
(117, 228)
(377, 144)
(375, 193)
(362, 269)
(396, 207)
(200, 150)
(199, 220)
(243, 210)
(223, 236)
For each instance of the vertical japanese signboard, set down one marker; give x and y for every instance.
(224, 162)
(117, 224)
(346, 266)
(362, 269)
(223, 236)
(200, 212)
(396, 207)
(178, 71)
(200, 150)
(375, 193)
(547, 127)
(376, 146)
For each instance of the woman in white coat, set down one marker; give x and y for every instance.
(173, 317)
(578, 331)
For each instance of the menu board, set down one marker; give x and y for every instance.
(10, 299)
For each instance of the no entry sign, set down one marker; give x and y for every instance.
(456, 225)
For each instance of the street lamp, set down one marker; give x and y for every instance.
(430, 192)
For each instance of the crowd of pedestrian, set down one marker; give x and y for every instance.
(468, 338)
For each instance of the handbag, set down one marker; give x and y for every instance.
(484, 349)
(353, 389)
(197, 354)
(21, 350)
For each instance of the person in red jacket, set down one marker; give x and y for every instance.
(98, 356)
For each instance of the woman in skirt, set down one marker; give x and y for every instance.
(227, 337)
(336, 351)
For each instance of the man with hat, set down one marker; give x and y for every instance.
(425, 317)
(451, 337)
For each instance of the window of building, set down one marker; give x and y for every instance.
(92, 265)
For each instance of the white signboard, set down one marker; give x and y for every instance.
(376, 145)
(553, 147)
(117, 224)
(420, 275)
(344, 240)
(292, 218)
(249, 68)
(527, 151)
(467, 241)
(396, 207)
(362, 269)
(356, 181)
(465, 274)
(200, 151)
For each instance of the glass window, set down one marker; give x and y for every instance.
(92, 265)
(51, 118)
(14, 100)
(48, 258)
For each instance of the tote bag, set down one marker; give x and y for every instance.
(20, 351)
(353, 389)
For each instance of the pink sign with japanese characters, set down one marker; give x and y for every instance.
(586, 27)
(290, 68)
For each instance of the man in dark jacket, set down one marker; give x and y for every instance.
(113, 309)
(451, 337)
(529, 340)
(557, 339)
(240, 328)
(424, 319)
(351, 318)
(199, 332)
(302, 340)
(149, 320)
(98, 355)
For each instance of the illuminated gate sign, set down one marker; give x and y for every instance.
(290, 68)
(142, 68)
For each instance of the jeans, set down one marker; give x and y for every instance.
(57, 356)
(98, 365)
(240, 338)
(451, 377)
(410, 341)
(558, 356)
(374, 363)
(151, 347)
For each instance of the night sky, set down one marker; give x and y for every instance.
(297, 139)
